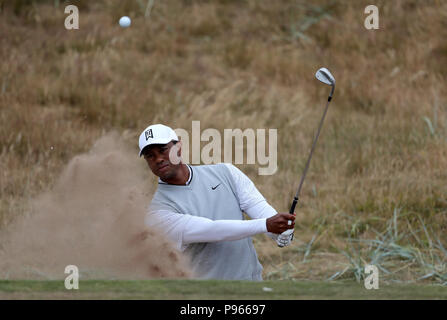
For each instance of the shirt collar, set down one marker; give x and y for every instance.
(187, 182)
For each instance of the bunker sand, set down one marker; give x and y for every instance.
(93, 218)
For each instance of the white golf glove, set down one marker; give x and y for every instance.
(285, 238)
(273, 236)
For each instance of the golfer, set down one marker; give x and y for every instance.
(200, 209)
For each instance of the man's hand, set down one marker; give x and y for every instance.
(285, 238)
(280, 222)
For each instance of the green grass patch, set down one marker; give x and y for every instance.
(213, 289)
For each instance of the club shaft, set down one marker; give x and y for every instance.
(295, 199)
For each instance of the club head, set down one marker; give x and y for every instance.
(325, 76)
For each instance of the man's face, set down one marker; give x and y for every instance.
(157, 157)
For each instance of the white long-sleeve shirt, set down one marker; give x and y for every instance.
(184, 229)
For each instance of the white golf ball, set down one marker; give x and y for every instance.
(125, 22)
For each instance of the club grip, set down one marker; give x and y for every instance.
(292, 208)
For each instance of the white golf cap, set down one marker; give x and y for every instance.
(156, 134)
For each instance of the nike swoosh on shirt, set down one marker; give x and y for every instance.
(215, 186)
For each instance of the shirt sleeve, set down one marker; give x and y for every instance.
(184, 229)
(250, 199)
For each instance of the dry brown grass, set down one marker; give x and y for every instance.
(245, 64)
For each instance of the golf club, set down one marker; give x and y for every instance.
(326, 77)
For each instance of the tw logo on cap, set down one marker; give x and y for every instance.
(149, 134)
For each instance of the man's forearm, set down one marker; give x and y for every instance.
(205, 230)
(261, 210)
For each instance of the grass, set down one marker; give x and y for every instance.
(214, 290)
(390, 252)
(375, 190)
